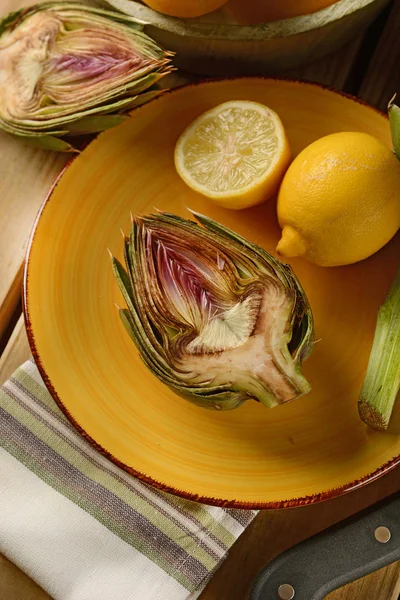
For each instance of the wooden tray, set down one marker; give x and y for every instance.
(216, 45)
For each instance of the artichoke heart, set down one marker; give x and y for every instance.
(214, 316)
(68, 69)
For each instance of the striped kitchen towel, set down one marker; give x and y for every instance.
(83, 528)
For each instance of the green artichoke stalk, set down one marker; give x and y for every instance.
(382, 379)
(214, 316)
(68, 69)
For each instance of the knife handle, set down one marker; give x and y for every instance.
(347, 551)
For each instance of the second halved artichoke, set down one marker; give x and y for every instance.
(68, 69)
(214, 317)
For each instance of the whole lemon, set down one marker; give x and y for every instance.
(339, 201)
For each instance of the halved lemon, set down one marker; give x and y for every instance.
(235, 154)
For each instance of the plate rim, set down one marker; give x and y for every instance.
(220, 502)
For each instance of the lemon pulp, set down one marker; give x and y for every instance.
(235, 154)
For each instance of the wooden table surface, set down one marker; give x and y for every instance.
(369, 68)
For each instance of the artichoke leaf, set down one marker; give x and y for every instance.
(48, 142)
(62, 63)
(94, 124)
(121, 104)
(394, 121)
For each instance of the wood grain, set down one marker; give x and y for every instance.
(25, 177)
(380, 585)
(14, 584)
(16, 352)
(396, 592)
(382, 80)
(334, 70)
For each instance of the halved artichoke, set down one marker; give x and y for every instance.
(214, 316)
(68, 69)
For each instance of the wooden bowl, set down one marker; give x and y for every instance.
(304, 451)
(215, 45)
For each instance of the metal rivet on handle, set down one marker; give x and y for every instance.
(286, 592)
(382, 534)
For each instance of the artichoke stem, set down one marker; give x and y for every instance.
(382, 379)
(275, 384)
(257, 389)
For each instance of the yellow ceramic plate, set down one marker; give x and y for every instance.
(301, 452)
